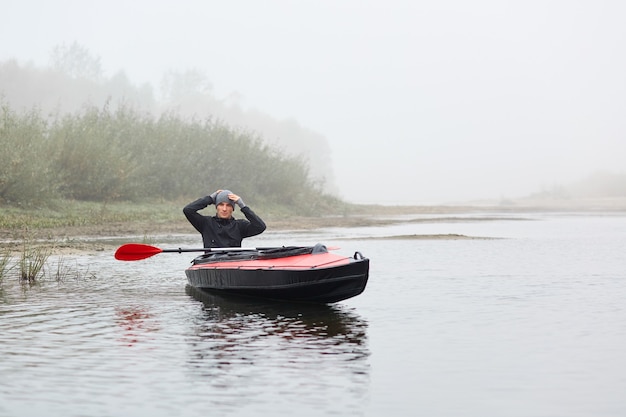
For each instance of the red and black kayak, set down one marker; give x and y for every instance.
(293, 273)
(290, 273)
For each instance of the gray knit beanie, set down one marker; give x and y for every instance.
(222, 197)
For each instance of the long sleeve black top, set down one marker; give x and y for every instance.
(220, 233)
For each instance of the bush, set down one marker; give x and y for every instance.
(103, 155)
(91, 157)
(24, 164)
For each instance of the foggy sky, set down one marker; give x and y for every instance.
(421, 101)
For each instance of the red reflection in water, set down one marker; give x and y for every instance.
(136, 322)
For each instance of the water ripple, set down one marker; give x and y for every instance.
(526, 326)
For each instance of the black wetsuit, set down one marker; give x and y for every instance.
(222, 233)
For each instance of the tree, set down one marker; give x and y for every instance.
(76, 61)
(191, 83)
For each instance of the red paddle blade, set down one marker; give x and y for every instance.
(135, 252)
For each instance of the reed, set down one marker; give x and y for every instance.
(35, 267)
(32, 263)
(5, 264)
(60, 270)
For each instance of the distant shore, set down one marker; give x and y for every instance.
(91, 238)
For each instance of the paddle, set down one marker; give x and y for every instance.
(138, 251)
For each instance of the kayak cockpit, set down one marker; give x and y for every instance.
(259, 253)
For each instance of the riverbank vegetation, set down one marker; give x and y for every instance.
(103, 155)
(35, 265)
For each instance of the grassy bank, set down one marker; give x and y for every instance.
(74, 224)
(70, 219)
(105, 155)
(82, 213)
(83, 218)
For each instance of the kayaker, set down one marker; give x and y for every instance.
(223, 230)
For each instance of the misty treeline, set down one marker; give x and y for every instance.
(75, 77)
(600, 184)
(67, 131)
(99, 154)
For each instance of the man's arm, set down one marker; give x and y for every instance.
(255, 226)
(191, 211)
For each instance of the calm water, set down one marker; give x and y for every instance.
(533, 324)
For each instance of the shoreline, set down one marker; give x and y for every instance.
(95, 238)
(80, 240)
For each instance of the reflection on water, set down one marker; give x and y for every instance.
(140, 344)
(135, 322)
(531, 325)
(305, 352)
(292, 319)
